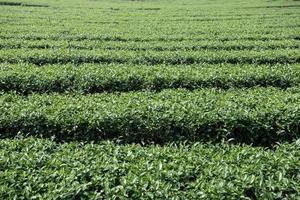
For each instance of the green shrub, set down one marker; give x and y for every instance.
(260, 116)
(92, 78)
(42, 169)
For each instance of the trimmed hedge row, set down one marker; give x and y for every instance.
(63, 56)
(152, 45)
(261, 116)
(42, 169)
(106, 35)
(98, 78)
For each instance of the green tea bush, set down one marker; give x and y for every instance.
(93, 78)
(83, 71)
(64, 56)
(42, 169)
(152, 45)
(260, 116)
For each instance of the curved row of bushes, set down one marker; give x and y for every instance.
(260, 116)
(92, 78)
(16, 43)
(47, 170)
(64, 56)
(226, 35)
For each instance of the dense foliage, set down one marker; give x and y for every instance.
(47, 170)
(261, 116)
(87, 78)
(64, 56)
(197, 73)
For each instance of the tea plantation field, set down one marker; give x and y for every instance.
(148, 99)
